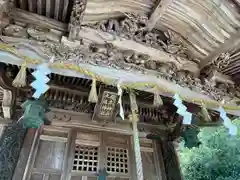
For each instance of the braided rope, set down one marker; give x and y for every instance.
(134, 118)
(109, 81)
(137, 151)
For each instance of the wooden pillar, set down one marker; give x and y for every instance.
(25, 157)
(170, 160)
(10, 147)
(12, 136)
(76, 19)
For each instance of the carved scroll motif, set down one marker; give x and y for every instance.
(222, 61)
(58, 117)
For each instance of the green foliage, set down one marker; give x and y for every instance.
(217, 158)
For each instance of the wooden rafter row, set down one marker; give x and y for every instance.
(158, 12)
(35, 19)
(56, 9)
(228, 45)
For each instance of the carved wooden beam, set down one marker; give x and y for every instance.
(158, 12)
(76, 19)
(35, 19)
(100, 37)
(228, 45)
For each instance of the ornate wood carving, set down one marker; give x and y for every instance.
(106, 108)
(77, 14)
(215, 77)
(8, 95)
(107, 55)
(59, 117)
(10, 147)
(221, 54)
(134, 27)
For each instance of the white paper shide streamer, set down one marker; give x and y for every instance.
(120, 91)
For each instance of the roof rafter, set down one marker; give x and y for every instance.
(158, 12)
(228, 45)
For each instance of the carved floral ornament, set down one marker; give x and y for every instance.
(107, 55)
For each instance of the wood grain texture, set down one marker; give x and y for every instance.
(158, 12)
(35, 19)
(24, 155)
(228, 45)
(155, 54)
(50, 155)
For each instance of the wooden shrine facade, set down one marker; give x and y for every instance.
(79, 144)
(154, 48)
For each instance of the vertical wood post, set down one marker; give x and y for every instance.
(76, 19)
(10, 147)
(70, 155)
(171, 161)
(25, 155)
(134, 118)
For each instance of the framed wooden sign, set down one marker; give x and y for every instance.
(106, 108)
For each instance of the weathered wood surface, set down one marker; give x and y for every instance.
(228, 45)
(127, 77)
(158, 12)
(155, 54)
(103, 37)
(32, 18)
(25, 154)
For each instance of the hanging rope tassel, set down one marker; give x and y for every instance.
(93, 97)
(157, 101)
(134, 118)
(205, 114)
(20, 79)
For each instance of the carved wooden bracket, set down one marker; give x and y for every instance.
(8, 95)
(215, 77)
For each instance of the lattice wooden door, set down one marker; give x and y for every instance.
(95, 151)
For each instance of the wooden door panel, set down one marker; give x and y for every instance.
(50, 155)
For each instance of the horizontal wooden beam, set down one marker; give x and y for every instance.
(83, 120)
(158, 12)
(97, 36)
(228, 45)
(161, 56)
(20, 15)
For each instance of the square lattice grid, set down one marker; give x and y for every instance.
(117, 160)
(85, 159)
